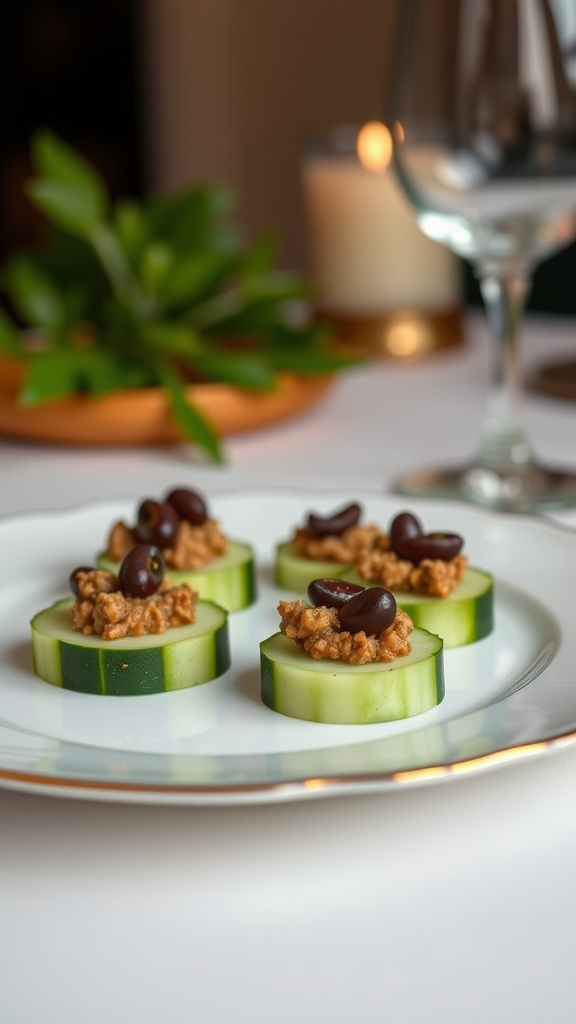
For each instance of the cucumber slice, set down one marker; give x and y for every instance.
(293, 572)
(295, 685)
(183, 656)
(229, 580)
(464, 617)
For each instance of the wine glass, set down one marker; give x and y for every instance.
(483, 115)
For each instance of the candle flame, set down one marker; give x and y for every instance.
(374, 146)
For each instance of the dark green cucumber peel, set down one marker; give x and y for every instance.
(183, 656)
(463, 618)
(293, 572)
(295, 685)
(229, 580)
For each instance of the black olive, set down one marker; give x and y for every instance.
(403, 526)
(408, 540)
(372, 611)
(157, 523)
(188, 505)
(141, 571)
(332, 593)
(443, 546)
(337, 523)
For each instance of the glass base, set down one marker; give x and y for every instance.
(530, 488)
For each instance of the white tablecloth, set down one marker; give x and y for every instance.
(451, 902)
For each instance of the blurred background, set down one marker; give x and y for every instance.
(163, 93)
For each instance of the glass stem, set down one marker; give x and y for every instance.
(504, 444)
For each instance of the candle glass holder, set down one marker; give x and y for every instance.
(382, 285)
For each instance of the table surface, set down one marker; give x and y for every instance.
(449, 902)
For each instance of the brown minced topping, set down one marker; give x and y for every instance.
(317, 631)
(433, 577)
(194, 546)
(343, 547)
(103, 610)
(367, 548)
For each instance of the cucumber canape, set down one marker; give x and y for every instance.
(229, 579)
(359, 680)
(194, 549)
(293, 571)
(463, 617)
(431, 580)
(324, 547)
(130, 634)
(341, 694)
(183, 656)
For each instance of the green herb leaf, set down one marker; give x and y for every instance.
(262, 256)
(131, 228)
(35, 296)
(189, 222)
(193, 425)
(194, 277)
(102, 371)
(278, 285)
(118, 270)
(156, 264)
(61, 373)
(54, 159)
(73, 268)
(247, 371)
(174, 338)
(72, 206)
(68, 189)
(50, 375)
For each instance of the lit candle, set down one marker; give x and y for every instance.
(369, 257)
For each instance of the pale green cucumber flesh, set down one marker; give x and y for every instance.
(183, 656)
(229, 580)
(293, 572)
(296, 685)
(462, 618)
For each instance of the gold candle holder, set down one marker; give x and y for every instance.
(403, 334)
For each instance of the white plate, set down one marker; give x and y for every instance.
(509, 695)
